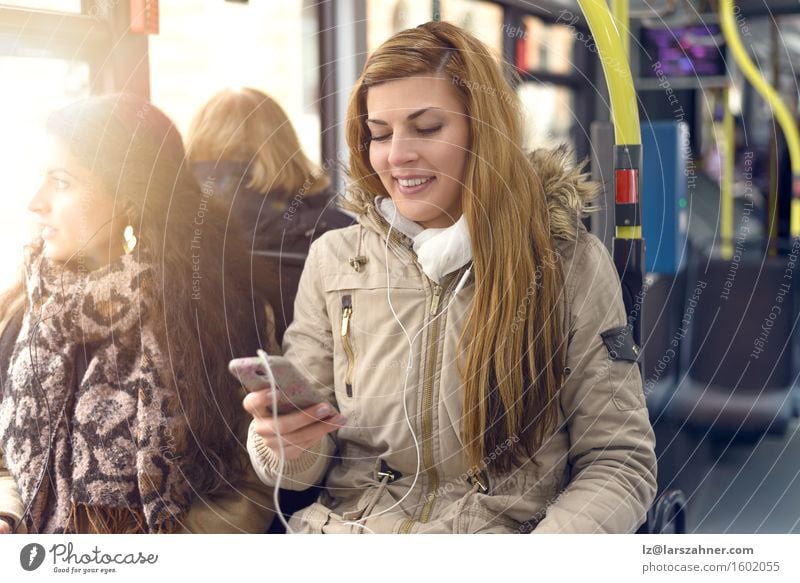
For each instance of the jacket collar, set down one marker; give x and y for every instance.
(439, 251)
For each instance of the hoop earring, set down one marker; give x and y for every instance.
(130, 240)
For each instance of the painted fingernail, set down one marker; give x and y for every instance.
(324, 410)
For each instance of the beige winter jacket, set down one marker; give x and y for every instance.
(598, 470)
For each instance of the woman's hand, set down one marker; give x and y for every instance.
(5, 528)
(299, 431)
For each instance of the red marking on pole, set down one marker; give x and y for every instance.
(627, 186)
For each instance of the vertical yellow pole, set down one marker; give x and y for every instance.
(728, 153)
(629, 246)
(622, 95)
(779, 110)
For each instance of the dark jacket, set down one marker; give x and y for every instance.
(273, 224)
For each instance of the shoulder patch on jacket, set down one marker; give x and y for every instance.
(620, 345)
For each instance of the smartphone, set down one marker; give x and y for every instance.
(293, 391)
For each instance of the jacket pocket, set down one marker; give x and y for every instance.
(365, 338)
(481, 514)
(347, 343)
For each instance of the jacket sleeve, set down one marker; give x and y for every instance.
(298, 474)
(308, 344)
(11, 504)
(612, 460)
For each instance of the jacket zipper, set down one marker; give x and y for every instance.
(427, 398)
(437, 293)
(427, 410)
(347, 313)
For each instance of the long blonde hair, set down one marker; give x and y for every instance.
(249, 126)
(513, 338)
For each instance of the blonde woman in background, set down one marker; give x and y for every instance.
(244, 150)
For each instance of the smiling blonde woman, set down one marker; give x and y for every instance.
(517, 405)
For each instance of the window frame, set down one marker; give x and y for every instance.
(100, 36)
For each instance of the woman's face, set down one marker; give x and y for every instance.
(419, 138)
(74, 213)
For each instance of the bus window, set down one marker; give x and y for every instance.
(483, 19)
(547, 47)
(32, 88)
(549, 114)
(55, 5)
(386, 17)
(204, 46)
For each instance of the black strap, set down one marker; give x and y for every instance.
(620, 345)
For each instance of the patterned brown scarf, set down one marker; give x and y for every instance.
(87, 426)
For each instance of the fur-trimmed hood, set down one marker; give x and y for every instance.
(568, 190)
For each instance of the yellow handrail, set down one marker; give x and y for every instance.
(622, 15)
(618, 73)
(779, 109)
(610, 35)
(727, 150)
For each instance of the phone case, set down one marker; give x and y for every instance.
(293, 391)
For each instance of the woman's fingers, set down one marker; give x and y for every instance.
(5, 528)
(256, 404)
(307, 435)
(288, 422)
(298, 431)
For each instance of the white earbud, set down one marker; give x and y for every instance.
(463, 281)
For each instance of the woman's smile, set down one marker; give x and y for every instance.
(410, 185)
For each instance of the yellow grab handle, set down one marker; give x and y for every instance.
(622, 16)
(617, 71)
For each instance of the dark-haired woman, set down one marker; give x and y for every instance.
(118, 414)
